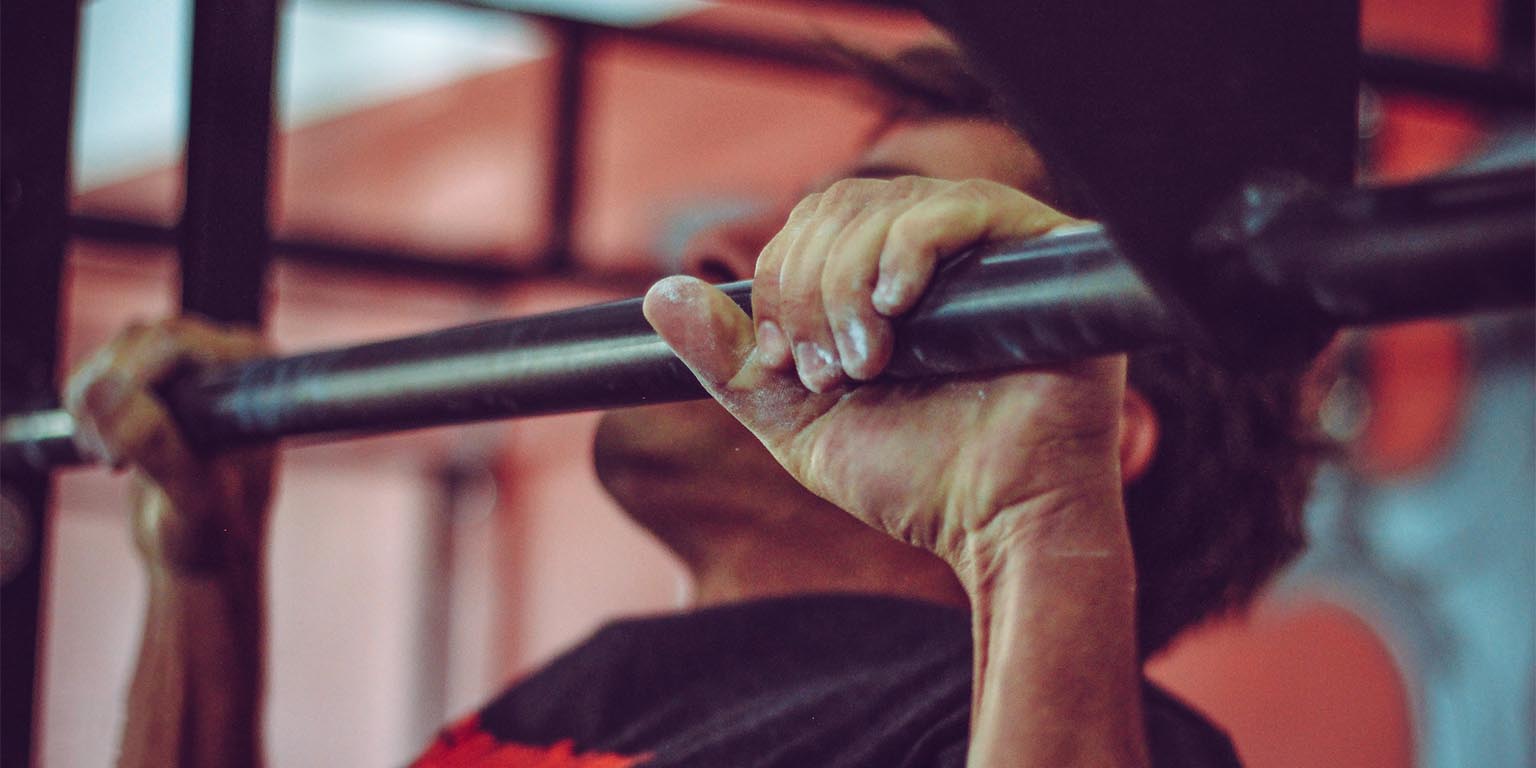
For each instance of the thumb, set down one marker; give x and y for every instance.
(704, 328)
(716, 340)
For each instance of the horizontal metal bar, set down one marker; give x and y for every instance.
(1453, 245)
(1458, 244)
(1489, 89)
(483, 271)
(477, 271)
(1071, 294)
(607, 356)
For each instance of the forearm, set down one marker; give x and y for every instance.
(1053, 600)
(196, 693)
(199, 524)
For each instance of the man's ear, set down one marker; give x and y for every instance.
(1138, 436)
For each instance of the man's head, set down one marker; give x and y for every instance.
(703, 484)
(1214, 509)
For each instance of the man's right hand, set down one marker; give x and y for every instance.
(194, 514)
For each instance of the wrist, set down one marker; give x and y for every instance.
(175, 585)
(195, 699)
(1078, 528)
(214, 613)
(1053, 619)
(212, 530)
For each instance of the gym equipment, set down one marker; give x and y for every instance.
(1456, 244)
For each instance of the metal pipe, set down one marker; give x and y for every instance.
(1500, 89)
(1452, 245)
(39, 44)
(224, 235)
(1072, 294)
(1456, 244)
(607, 356)
(564, 181)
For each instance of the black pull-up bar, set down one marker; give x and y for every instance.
(1453, 245)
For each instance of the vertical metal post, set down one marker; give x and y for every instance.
(1517, 35)
(37, 75)
(569, 98)
(454, 482)
(224, 231)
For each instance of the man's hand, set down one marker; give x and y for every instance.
(947, 466)
(1014, 479)
(193, 513)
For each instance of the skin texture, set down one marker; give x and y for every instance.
(1000, 493)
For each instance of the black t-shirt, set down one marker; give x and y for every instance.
(819, 680)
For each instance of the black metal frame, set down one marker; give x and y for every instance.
(223, 237)
(1499, 90)
(223, 232)
(1517, 38)
(222, 241)
(566, 136)
(37, 45)
(1494, 90)
(575, 39)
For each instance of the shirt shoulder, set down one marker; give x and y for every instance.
(1180, 737)
(1177, 736)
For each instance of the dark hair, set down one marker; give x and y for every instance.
(919, 81)
(1219, 510)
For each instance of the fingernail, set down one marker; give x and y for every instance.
(672, 289)
(772, 347)
(853, 345)
(889, 293)
(817, 365)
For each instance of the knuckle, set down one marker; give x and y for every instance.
(855, 194)
(765, 281)
(975, 189)
(806, 206)
(196, 323)
(238, 344)
(836, 192)
(904, 234)
(909, 184)
(768, 263)
(157, 441)
(141, 333)
(794, 309)
(843, 189)
(163, 335)
(795, 284)
(102, 398)
(259, 345)
(96, 382)
(843, 279)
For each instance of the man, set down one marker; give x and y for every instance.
(886, 574)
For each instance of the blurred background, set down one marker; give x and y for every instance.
(443, 161)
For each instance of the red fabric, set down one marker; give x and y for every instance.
(466, 745)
